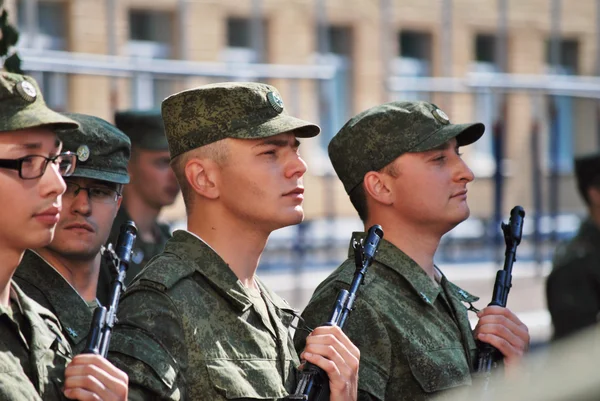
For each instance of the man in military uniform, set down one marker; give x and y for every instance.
(153, 186)
(33, 352)
(63, 275)
(573, 286)
(400, 165)
(198, 324)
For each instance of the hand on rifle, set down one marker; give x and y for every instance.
(92, 377)
(331, 350)
(501, 328)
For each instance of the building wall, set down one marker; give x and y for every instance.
(291, 38)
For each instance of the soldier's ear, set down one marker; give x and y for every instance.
(377, 186)
(202, 177)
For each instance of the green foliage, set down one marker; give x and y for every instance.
(9, 36)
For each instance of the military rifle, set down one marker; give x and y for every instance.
(104, 319)
(487, 355)
(314, 382)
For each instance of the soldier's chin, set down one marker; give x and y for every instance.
(296, 217)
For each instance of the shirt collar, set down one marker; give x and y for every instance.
(393, 258)
(70, 308)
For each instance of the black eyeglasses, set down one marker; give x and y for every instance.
(34, 166)
(95, 194)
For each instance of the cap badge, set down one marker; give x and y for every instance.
(440, 116)
(26, 91)
(275, 101)
(83, 153)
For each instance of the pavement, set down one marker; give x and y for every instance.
(526, 298)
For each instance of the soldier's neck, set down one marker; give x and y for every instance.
(239, 246)
(416, 242)
(10, 260)
(82, 274)
(143, 215)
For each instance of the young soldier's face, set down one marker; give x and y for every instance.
(86, 218)
(261, 181)
(29, 209)
(431, 188)
(152, 177)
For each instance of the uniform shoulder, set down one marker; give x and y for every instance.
(165, 270)
(573, 252)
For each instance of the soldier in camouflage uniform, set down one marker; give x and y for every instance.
(197, 324)
(153, 186)
(573, 286)
(63, 276)
(399, 163)
(34, 354)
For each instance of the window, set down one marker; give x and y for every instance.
(485, 48)
(240, 41)
(50, 34)
(560, 109)
(486, 106)
(150, 36)
(414, 60)
(336, 95)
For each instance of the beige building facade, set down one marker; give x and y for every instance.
(366, 41)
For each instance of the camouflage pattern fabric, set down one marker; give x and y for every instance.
(414, 337)
(41, 282)
(189, 330)
(573, 286)
(244, 110)
(142, 253)
(33, 351)
(374, 138)
(145, 128)
(102, 150)
(23, 106)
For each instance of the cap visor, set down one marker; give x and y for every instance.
(465, 134)
(40, 117)
(101, 175)
(279, 125)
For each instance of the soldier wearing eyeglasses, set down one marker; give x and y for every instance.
(153, 186)
(63, 275)
(36, 360)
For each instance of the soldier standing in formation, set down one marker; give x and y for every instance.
(198, 324)
(36, 358)
(63, 275)
(573, 286)
(400, 164)
(153, 186)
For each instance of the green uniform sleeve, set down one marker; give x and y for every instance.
(366, 331)
(148, 344)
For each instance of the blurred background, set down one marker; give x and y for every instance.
(527, 69)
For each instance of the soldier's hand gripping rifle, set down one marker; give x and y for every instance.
(488, 356)
(104, 319)
(314, 382)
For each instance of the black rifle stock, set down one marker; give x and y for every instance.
(104, 319)
(488, 356)
(314, 382)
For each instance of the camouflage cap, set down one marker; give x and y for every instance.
(22, 105)
(102, 149)
(144, 128)
(244, 110)
(374, 138)
(587, 170)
